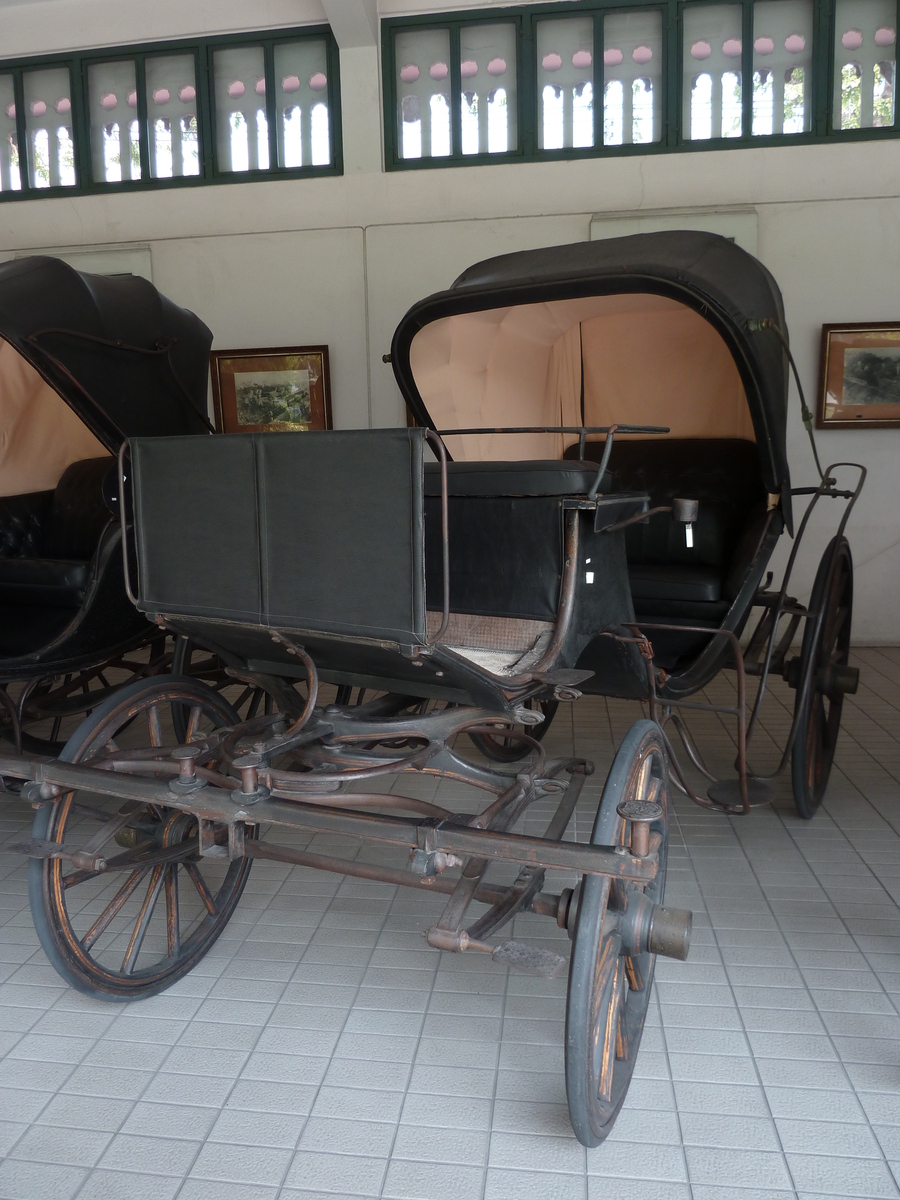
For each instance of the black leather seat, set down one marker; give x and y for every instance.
(530, 477)
(47, 541)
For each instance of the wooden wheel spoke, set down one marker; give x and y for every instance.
(173, 927)
(200, 884)
(154, 725)
(115, 905)
(193, 722)
(601, 999)
(142, 923)
(610, 1033)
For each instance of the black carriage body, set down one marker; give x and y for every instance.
(102, 358)
(332, 542)
(654, 294)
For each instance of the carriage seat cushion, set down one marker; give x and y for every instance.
(701, 585)
(535, 477)
(78, 514)
(44, 582)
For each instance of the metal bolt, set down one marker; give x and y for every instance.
(185, 757)
(641, 814)
(248, 765)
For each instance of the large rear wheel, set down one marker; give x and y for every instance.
(824, 658)
(135, 927)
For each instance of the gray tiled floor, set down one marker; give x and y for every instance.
(323, 1049)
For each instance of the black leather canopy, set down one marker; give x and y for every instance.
(127, 360)
(727, 286)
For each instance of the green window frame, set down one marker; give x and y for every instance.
(85, 66)
(821, 90)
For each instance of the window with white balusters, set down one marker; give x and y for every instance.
(171, 114)
(572, 80)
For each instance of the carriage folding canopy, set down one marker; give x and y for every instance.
(126, 361)
(651, 329)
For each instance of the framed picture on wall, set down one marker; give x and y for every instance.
(859, 380)
(282, 390)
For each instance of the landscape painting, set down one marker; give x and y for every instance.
(860, 376)
(276, 391)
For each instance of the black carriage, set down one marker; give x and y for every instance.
(615, 413)
(85, 361)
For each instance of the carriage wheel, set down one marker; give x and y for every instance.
(135, 928)
(821, 660)
(609, 991)
(187, 659)
(506, 749)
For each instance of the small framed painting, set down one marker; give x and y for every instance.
(286, 390)
(860, 376)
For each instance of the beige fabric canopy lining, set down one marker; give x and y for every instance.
(648, 360)
(39, 434)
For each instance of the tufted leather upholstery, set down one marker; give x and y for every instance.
(22, 522)
(47, 539)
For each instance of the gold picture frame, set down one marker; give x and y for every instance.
(287, 389)
(859, 376)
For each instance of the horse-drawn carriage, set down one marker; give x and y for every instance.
(616, 418)
(85, 361)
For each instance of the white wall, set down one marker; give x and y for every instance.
(339, 260)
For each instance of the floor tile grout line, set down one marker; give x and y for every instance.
(740, 1014)
(827, 1034)
(662, 1028)
(412, 1067)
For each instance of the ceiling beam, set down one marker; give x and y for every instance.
(354, 23)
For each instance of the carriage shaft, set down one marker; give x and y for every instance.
(430, 835)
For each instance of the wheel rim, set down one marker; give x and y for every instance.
(144, 922)
(609, 990)
(820, 720)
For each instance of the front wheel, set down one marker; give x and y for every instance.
(133, 929)
(609, 989)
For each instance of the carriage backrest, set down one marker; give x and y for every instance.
(320, 531)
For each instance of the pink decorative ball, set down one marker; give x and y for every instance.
(235, 89)
(290, 83)
(642, 54)
(795, 43)
(764, 45)
(132, 99)
(852, 39)
(318, 82)
(582, 59)
(110, 100)
(497, 66)
(612, 58)
(468, 68)
(260, 87)
(63, 105)
(38, 108)
(701, 50)
(885, 37)
(439, 70)
(187, 94)
(161, 95)
(732, 48)
(409, 73)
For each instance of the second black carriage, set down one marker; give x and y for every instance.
(467, 594)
